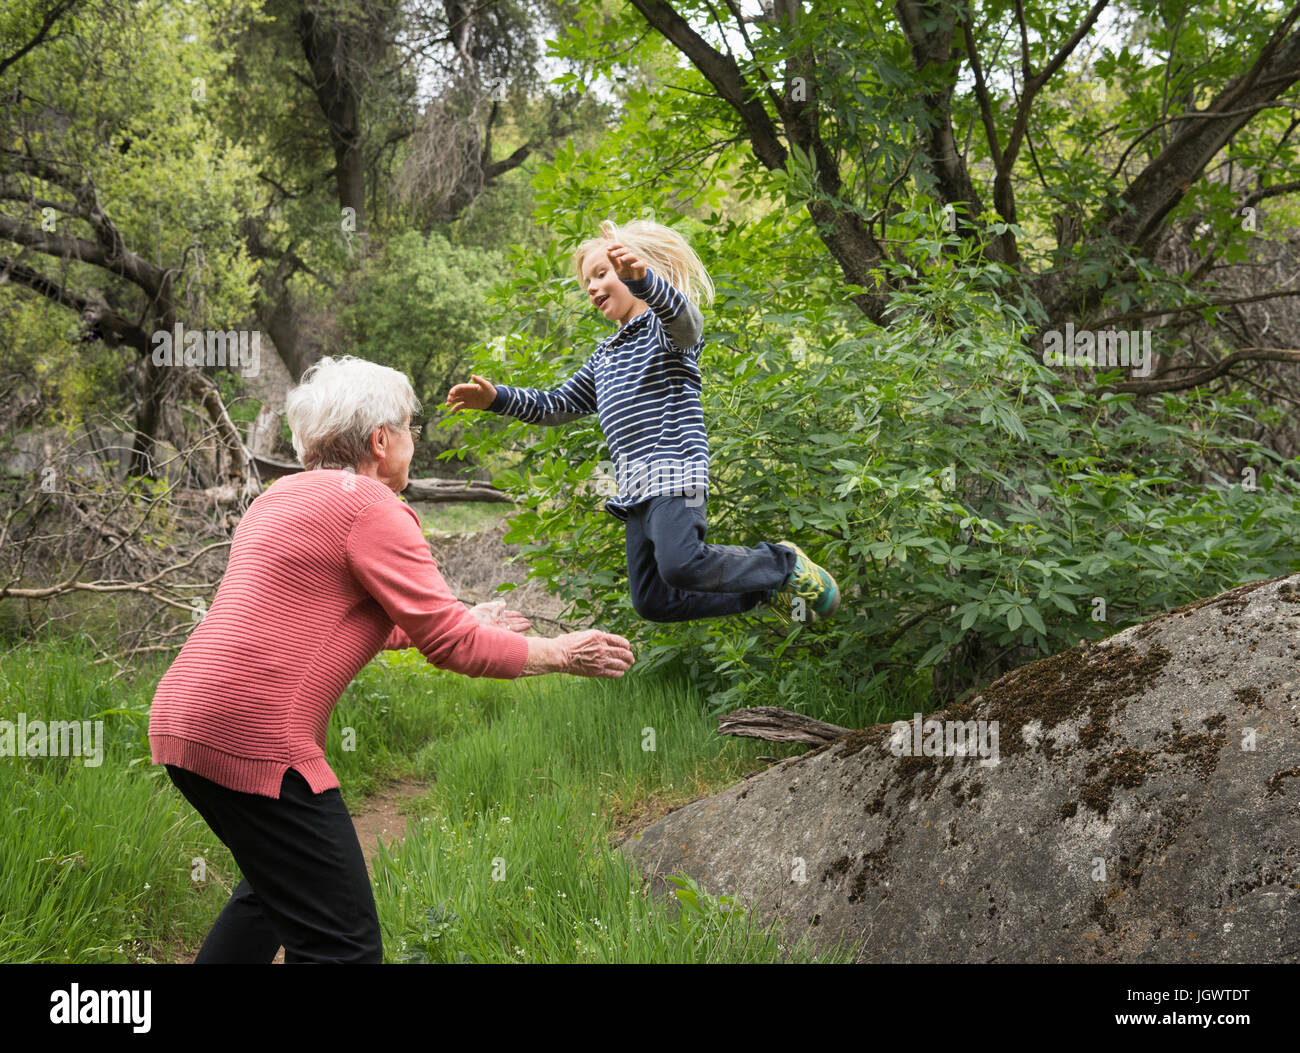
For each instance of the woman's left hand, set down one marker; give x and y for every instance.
(494, 613)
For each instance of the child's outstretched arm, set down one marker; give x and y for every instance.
(575, 398)
(681, 319)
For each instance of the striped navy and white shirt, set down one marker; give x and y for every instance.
(644, 383)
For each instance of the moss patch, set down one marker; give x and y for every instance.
(1053, 690)
(1249, 698)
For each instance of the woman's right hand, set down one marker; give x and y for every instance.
(478, 395)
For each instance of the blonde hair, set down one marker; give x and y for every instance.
(339, 402)
(663, 250)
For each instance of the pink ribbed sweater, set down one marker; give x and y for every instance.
(326, 569)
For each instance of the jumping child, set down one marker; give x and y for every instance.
(644, 383)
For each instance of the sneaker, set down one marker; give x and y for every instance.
(809, 593)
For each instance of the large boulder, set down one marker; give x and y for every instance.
(1143, 805)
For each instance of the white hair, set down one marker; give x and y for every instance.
(338, 403)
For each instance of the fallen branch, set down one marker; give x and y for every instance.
(778, 725)
(443, 490)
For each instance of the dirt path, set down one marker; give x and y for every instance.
(382, 818)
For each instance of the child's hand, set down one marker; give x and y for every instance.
(626, 263)
(478, 395)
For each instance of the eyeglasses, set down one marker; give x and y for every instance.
(414, 429)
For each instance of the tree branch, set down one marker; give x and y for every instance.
(60, 8)
(1204, 376)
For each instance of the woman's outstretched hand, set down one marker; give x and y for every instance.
(595, 653)
(478, 395)
(494, 613)
(586, 653)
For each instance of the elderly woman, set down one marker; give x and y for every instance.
(326, 569)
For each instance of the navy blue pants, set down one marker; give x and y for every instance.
(305, 884)
(675, 577)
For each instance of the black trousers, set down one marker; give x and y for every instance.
(675, 577)
(304, 883)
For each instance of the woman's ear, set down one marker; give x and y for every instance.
(378, 442)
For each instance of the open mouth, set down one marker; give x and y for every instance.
(601, 301)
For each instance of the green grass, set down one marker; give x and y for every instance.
(511, 859)
(457, 517)
(96, 861)
(507, 858)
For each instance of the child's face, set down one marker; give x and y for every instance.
(606, 290)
